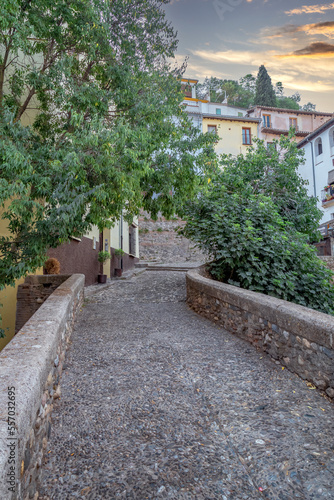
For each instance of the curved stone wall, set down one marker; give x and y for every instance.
(30, 369)
(300, 338)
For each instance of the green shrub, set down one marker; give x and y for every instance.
(254, 239)
(119, 252)
(103, 257)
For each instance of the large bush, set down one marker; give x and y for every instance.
(255, 220)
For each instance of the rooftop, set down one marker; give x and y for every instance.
(290, 111)
(316, 132)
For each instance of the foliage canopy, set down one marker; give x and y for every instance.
(264, 92)
(256, 220)
(242, 93)
(90, 122)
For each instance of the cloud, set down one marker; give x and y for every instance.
(311, 9)
(326, 28)
(315, 49)
(231, 56)
(303, 77)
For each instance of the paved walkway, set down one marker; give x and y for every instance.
(158, 402)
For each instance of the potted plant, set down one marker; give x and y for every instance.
(103, 257)
(119, 254)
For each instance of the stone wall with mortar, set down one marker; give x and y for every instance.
(32, 293)
(160, 242)
(329, 261)
(299, 338)
(30, 369)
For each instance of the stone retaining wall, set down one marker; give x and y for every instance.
(30, 369)
(160, 242)
(299, 338)
(329, 261)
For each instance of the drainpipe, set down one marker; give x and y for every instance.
(122, 239)
(313, 169)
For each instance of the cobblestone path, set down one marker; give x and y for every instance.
(158, 402)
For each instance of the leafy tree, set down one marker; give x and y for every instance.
(248, 83)
(283, 101)
(108, 128)
(296, 97)
(255, 219)
(243, 93)
(308, 107)
(286, 103)
(265, 94)
(218, 90)
(279, 89)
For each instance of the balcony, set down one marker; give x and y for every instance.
(327, 196)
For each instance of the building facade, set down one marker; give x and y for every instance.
(318, 170)
(235, 134)
(234, 129)
(275, 122)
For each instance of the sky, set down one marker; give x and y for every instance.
(231, 38)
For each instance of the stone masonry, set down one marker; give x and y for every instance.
(299, 338)
(30, 369)
(160, 403)
(160, 242)
(329, 261)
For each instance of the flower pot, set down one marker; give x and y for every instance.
(102, 278)
(118, 272)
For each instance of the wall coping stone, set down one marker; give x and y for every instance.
(25, 363)
(313, 325)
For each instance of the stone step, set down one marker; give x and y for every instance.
(182, 266)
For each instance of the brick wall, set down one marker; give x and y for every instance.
(33, 293)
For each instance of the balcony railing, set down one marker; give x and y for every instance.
(270, 125)
(266, 124)
(327, 194)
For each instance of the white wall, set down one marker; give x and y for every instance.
(322, 165)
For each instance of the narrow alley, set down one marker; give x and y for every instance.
(158, 402)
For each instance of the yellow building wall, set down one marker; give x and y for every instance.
(230, 135)
(8, 299)
(115, 236)
(106, 248)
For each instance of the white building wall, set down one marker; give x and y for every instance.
(316, 170)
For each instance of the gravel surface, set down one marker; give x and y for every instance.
(158, 402)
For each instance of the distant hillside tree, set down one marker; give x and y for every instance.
(286, 103)
(265, 94)
(249, 91)
(308, 107)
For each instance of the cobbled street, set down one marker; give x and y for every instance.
(158, 402)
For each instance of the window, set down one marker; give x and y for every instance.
(267, 120)
(132, 240)
(218, 111)
(246, 136)
(293, 123)
(318, 147)
(331, 138)
(212, 129)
